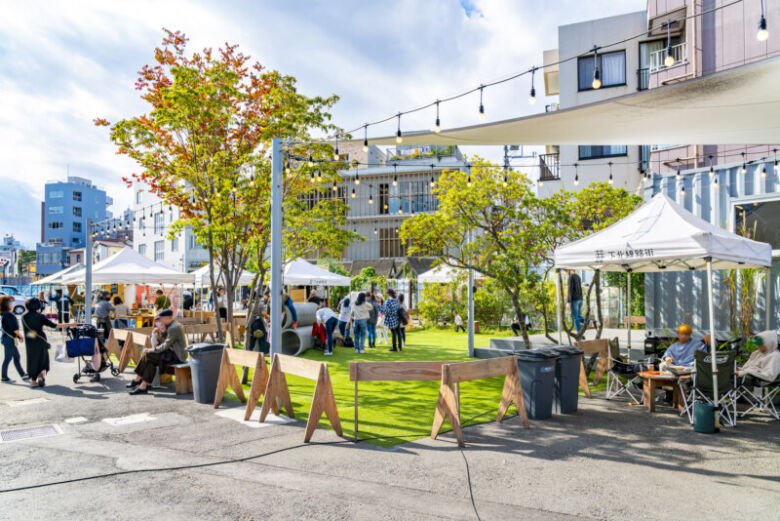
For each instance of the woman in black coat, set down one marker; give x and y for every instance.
(35, 342)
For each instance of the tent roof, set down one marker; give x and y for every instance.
(662, 236)
(735, 106)
(203, 277)
(443, 274)
(57, 278)
(299, 272)
(127, 266)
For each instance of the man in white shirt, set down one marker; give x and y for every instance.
(329, 319)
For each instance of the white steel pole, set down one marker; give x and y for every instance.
(767, 298)
(558, 298)
(471, 309)
(713, 344)
(276, 247)
(628, 311)
(88, 275)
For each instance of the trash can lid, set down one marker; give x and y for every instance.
(535, 355)
(203, 347)
(567, 350)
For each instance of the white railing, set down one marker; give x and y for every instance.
(679, 53)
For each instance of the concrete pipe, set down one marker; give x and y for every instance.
(297, 341)
(307, 315)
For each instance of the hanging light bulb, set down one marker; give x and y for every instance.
(313, 178)
(370, 194)
(506, 180)
(468, 183)
(596, 84)
(437, 127)
(311, 159)
(610, 173)
(433, 179)
(716, 180)
(375, 231)
(762, 33)
(481, 106)
(335, 186)
(357, 178)
(353, 193)
(744, 164)
(365, 137)
(287, 166)
(669, 60)
(763, 173)
(319, 173)
(682, 190)
(395, 174)
(576, 175)
(532, 97)
(712, 170)
(398, 137)
(336, 156)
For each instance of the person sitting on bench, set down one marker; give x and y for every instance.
(680, 353)
(169, 352)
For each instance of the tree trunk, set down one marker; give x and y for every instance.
(599, 314)
(220, 335)
(520, 317)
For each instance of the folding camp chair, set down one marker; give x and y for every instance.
(622, 377)
(702, 387)
(760, 394)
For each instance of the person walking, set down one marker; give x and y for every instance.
(345, 312)
(330, 320)
(575, 299)
(63, 303)
(103, 312)
(361, 311)
(373, 317)
(222, 303)
(35, 342)
(403, 318)
(458, 322)
(11, 334)
(391, 309)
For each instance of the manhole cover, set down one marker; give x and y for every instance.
(29, 432)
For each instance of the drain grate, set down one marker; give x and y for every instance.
(28, 433)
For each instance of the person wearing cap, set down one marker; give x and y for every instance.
(681, 352)
(168, 352)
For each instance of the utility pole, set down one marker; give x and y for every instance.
(276, 247)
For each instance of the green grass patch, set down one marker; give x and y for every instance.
(399, 408)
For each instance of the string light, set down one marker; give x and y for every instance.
(433, 179)
(481, 106)
(398, 137)
(395, 174)
(762, 33)
(335, 186)
(576, 175)
(532, 97)
(712, 170)
(596, 84)
(763, 172)
(336, 149)
(370, 194)
(287, 166)
(469, 179)
(677, 174)
(437, 127)
(669, 60)
(357, 178)
(311, 159)
(744, 164)
(610, 172)
(353, 193)
(365, 137)
(375, 231)
(775, 151)
(506, 181)
(313, 178)
(682, 190)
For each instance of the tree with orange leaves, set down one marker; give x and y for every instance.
(204, 146)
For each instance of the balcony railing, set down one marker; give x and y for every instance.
(679, 53)
(549, 167)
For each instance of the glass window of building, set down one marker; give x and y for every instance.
(159, 223)
(55, 210)
(599, 151)
(77, 227)
(159, 250)
(77, 196)
(175, 244)
(54, 225)
(612, 68)
(76, 211)
(142, 249)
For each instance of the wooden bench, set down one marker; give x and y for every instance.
(182, 374)
(634, 320)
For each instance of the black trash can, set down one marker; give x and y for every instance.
(205, 361)
(567, 378)
(537, 374)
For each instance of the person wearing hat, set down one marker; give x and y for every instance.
(681, 352)
(169, 351)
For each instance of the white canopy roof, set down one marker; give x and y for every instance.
(443, 274)
(662, 236)
(57, 278)
(735, 106)
(129, 267)
(203, 277)
(299, 272)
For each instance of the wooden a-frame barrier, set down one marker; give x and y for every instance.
(453, 374)
(600, 347)
(228, 377)
(323, 400)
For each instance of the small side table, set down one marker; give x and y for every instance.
(655, 379)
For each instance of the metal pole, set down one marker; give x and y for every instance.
(471, 309)
(276, 247)
(767, 298)
(713, 344)
(628, 313)
(88, 275)
(558, 299)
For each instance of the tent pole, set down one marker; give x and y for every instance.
(767, 298)
(713, 344)
(471, 309)
(558, 298)
(628, 311)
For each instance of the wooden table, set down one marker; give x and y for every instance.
(655, 379)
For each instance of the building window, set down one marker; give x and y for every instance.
(612, 67)
(159, 223)
(142, 249)
(76, 211)
(55, 194)
(55, 210)
(77, 227)
(175, 244)
(77, 196)
(599, 151)
(159, 250)
(55, 225)
(192, 242)
(390, 244)
(384, 198)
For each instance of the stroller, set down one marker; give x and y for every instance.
(81, 345)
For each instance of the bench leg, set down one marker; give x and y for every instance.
(183, 380)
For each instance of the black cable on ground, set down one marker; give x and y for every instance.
(468, 480)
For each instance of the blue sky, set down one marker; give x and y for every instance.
(64, 63)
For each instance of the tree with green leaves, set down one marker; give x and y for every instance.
(204, 146)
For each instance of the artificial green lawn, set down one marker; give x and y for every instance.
(403, 409)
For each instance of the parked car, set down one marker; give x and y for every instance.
(18, 305)
(10, 290)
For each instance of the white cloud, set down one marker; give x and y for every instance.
(65, 63)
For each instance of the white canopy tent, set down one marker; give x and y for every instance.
(57, 278)
(203, 277)
(299, 272)
(663, 236)
(129, 267)
(442, 274)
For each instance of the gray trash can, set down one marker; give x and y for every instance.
(567, 378)
(537, 374)
(205, 360)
